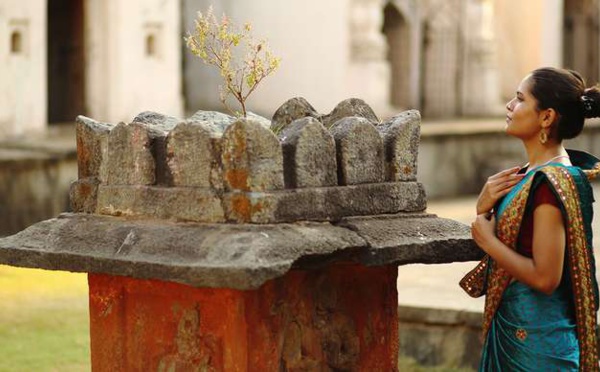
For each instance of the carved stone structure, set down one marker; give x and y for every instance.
(225, 247)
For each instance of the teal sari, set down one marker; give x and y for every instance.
(526, 330)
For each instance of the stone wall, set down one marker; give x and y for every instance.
(215, 168)
(440, 337)
(457, 159)
(35, 183)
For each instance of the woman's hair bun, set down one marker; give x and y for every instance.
(590, 102)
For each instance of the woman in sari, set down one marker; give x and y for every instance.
(534, 224)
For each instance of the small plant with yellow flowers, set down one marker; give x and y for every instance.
(242, 61)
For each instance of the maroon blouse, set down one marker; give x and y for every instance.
(542, 195)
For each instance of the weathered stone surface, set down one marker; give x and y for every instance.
(440, 337)
(205, 205)
(157, 120)
(334, 203)
(176, 203)
(324, 203)
(92, 144)
(308, 320)
(350, 107)
(309, 155)
(157, 133)
(401, 136)
(231, 256)
(217, 121)
(252, 157)
(385, 238)
(35, 174)
(248, 207)
(130, 160)
(292, 109)
(264, 122)
(193, 155)
(360, 156)
(83, 195)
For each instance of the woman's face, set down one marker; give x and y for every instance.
(523, 118)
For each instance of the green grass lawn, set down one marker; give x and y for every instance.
(43, 321)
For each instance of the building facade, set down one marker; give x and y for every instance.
(109, 59)
(395, 54)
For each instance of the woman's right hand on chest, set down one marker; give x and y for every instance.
(496, 187)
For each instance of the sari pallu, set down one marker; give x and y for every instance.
(525, 329)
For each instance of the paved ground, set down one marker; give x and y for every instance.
(436, 286)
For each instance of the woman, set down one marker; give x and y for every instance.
(534, 223)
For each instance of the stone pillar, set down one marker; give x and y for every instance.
(441, 59)
(480, 86)
(552, 29)
(369, 71)
(306, 320)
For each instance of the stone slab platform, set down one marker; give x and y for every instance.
(231, 256)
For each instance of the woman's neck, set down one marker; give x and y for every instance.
(539, 154)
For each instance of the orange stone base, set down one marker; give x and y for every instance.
(343, 317)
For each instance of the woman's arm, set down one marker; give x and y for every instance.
(544, 271)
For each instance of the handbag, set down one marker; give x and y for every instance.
(475, 281)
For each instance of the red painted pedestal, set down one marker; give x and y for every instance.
(342, 317)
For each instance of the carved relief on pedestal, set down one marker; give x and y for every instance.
(195, 352)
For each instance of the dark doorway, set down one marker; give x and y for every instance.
(581, 38)
(66, 60)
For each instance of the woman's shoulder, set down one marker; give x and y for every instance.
(552, 179)
(561, 180)
(545, 194)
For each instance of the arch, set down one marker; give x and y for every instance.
(397, 33)
(405, 10)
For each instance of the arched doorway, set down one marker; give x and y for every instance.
(397, 34)
(66, 60)
(581, 38)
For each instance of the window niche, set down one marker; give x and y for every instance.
(18, 36)
(16, 42)
(150, 45)
(152, 40)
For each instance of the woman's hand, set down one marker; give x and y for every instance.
(482, 231)
(496, 187)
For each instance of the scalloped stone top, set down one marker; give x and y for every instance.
(216, 168)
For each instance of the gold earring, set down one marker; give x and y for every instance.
(543, 137)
